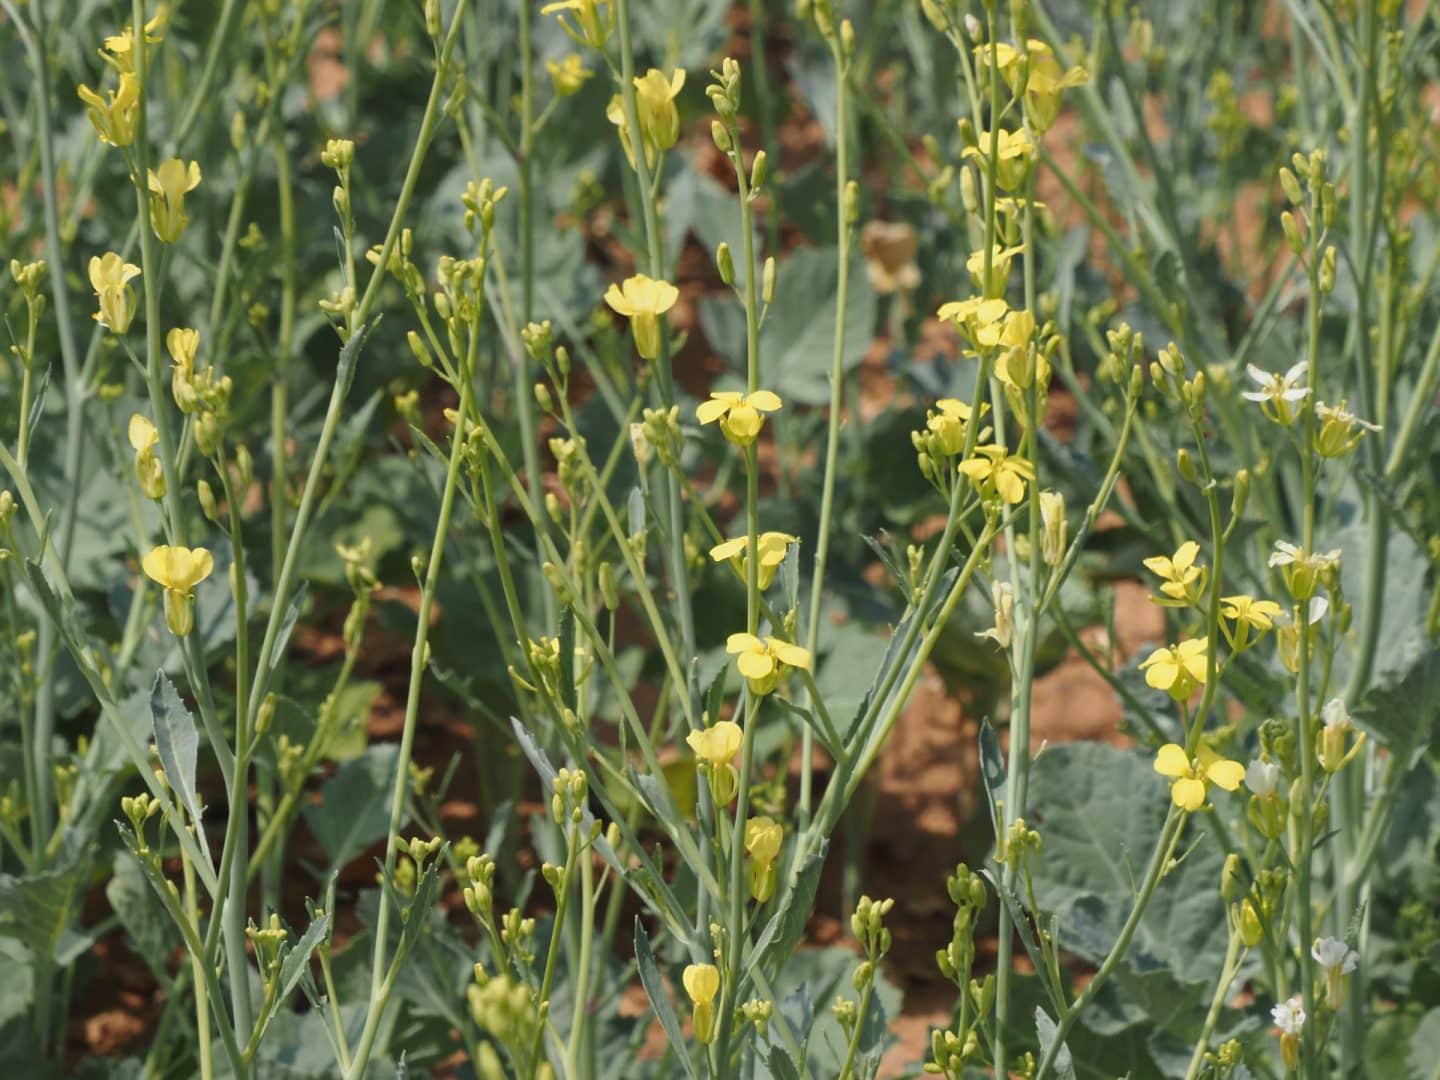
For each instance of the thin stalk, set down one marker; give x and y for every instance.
(664, 378)
(552, 953)
(75, 396)
(581, 994)
(843, 229)
(1228, 971)
(419, 660)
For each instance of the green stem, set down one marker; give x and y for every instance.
(1217, 1002)
(843, 229)
(419, 660)
(1164, 849)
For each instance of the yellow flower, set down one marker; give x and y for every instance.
(168, 187)
(1183, 580)
(994, 471)
(949, 424)
(643, 300)
(659, 118)
(183, 343)
(148, 470)
(773, 548)
(114, 121)
(1012, 156)
(764, 662)
(1248, 614)
(119, 51)
(590, 29)
(1000, 259)
(715, 748)
(110, 277)
(655, 98)
(763, 838)
(1044, 82)
(1179, 669)
(568, 75)
(1193, 778)
(740, 415)
(702, 983)
(178, 570)
(1018, 366)
(982, 321)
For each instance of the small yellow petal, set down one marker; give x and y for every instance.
(755, 665)
(742, 642)
(1226, 774)
(1188, 794)
(1172, 760)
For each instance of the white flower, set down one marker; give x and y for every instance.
(1289, 1016)
(1288, 554)
(1278, 393)
(1334, 955)
(1262, 777)
(1336, 716)
(1003, 632)
(1315, 611)
(1339, 414)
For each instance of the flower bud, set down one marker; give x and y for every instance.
(767, 281)
(207, 502)
(1291, 186)
(725, 264)
(1252, 930)
(1291, 228)
(758, 169)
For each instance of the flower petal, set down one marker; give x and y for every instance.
(1188, 794)
(1226, 774)
(1172, 760)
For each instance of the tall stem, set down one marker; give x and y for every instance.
(75, 397)
(419, 660)
(844, 224)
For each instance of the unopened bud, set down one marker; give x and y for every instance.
(207, 502)
(757, 171)
(725, 264)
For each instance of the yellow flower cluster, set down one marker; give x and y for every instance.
(773, 548)
(1192, 778)
(149, 471)
(715, 748)
(741, 416)
(178, 570)
(643, 300)
(110, 277)
(168, 187)
(764, 661)
(659, 118)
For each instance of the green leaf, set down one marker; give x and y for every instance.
(354, 810)
(293, 966)
(35, 910)
(178, 744)
(1047, 1031)
(785, 928)
(1425, 1047)
(1099, 811)
(1402, 707)
(659, 999)
(152, 932)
